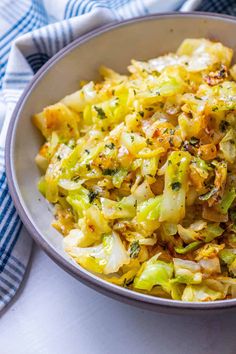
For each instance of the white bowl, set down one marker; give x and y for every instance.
(114, 46)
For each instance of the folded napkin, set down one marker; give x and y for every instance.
(31, 32)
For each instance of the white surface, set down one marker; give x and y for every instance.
(55, 314)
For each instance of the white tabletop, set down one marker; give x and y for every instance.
(55, 314)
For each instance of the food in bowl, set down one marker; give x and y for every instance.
(141, 169)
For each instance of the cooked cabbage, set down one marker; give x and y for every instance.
(140, 168)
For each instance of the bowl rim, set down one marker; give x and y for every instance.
(109, 289)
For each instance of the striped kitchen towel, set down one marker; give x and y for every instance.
(31, 32)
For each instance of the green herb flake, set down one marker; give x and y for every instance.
(92, 195)
(194, 141)
(224, 125)
(88, 167)
(149, 142)
(141, 113)
(109, 172)
(176, 186)
(134, 249)
(100, 112)
(110, 146)
(76, 178)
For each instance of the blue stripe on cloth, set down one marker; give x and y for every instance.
(6, 221)
(50, 47)
(33, 22)
(222, 6)
(5, 201)
(8, 284)
(2, 179)
(70, 32)
(67, 9)
(16, 81)
(6, 293)
(30, 20)
(40, 40)
(72, 8)
(16, 228)
(19, 263)
(27, 25)
(15, 27)
(84, 6)
(11, 228)
(11, 275)
(37, 60)
(63, 34)
(10, 278)
(91, 4)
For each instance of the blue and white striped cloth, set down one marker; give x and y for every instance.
(32, 31)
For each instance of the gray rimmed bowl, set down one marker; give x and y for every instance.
(114, 46)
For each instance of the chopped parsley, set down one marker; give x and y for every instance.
(176, 186)
(110, 146)
(87, 151)
(194, 141)
(76, 178)
(141, 113)
(100, 112)
(134, 249)
(88, 167)
(224, 126)
(149, 142)
(109, 172)
(92, 195)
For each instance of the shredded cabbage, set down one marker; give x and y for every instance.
(105, 258)
(153, 272)
(140, 168)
